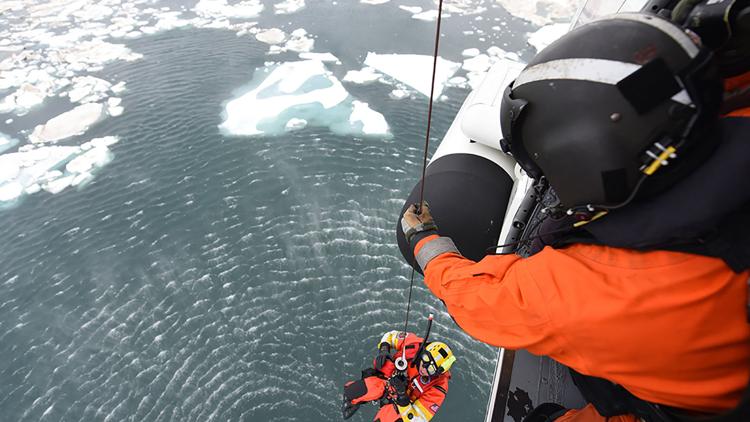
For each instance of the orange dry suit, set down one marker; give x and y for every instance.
(667, 326)
(426, 394)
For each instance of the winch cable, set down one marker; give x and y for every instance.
(426, 146)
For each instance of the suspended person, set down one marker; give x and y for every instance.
(411, 395)
(647, 301)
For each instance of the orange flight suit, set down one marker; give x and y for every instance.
(669, 327)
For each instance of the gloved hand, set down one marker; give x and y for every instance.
(384, 355)
(414, 222)
(398, 384)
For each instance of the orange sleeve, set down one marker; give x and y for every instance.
(493, 300)
(589, 414)
(743, 112)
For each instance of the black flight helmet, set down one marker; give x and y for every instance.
(607, 105)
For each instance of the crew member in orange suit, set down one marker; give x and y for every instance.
(413, 394)
(644, 292)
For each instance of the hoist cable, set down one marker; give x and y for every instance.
(426, 145)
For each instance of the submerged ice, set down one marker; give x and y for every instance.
(297, 94)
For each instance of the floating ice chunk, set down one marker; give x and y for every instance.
(551, 10)
(10, 191)
(219, 8)
(6, 143)
(81, 179)
(398, 94)
(25, 98)
(70, 123)
(93, 12)
(414, 70)
(299, 42)
(289, 6)
(88, 89)
(323, 57)
(288, 85)
(170, 20)
(113, 106)
(9, 121)
(495, 51)
(411, 9)
(32, 189)
(9, 171)
(118, 88)
(546, 35)
(458, 82)
(25, 168)
(105, 141)
(96, 52)
(115, 111)
(373, 123)
(289, 93)
(96, 157)
(374, 1)
(512, 57)
(470, 52)
(294, 124)
(429, 15)
(58, 185)
(365, 76)
(271, 36)
(479, 63)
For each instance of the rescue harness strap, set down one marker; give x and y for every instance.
(426, 145)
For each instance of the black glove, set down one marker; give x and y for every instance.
(398, 384)
(384, 355)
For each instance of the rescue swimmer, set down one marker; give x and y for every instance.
(641, 284)
(409, 379)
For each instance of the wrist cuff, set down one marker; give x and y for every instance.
(434, 248)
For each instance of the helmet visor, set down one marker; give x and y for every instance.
(428, 364)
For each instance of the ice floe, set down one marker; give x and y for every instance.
(323, 57)
(413, 70)
(398, 94)
(26, 97)
(365, 76)
(541, 12)
(369, 121)
(287, 94)
(71, 123)
(87, 89)
(299, 41)
(221, 9)
(51, 168)
(271, 36)
(288, 6)
(547, 34)
(6, 143)
(470, 52)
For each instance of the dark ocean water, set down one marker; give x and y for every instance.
(202, 277)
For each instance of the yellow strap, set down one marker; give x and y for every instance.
(597, 216)
(658, 162)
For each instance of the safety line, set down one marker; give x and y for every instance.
(426, 146)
